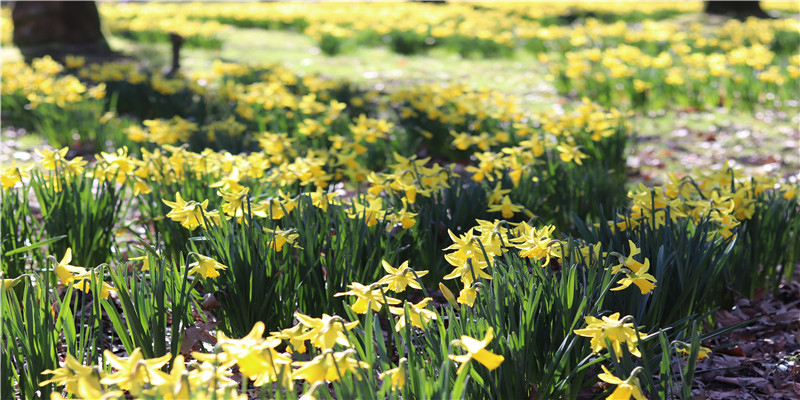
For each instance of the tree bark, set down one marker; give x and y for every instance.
(736, 9)
(58, 28)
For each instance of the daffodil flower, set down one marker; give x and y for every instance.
(400, 277)
(625, 388)
(328, 366)
(325, 332)
(397, 375)
(134, 372)
(207, 267)
(615, 330)
(417, 313)
(506, 207)
(256, 357)
(476, 349)
(368, 297)
(468, 294)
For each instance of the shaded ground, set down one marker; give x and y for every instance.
(761, 360)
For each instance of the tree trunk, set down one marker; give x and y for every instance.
(736, 9)
(58, 28)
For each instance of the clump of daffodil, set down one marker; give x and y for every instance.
(472, 255)
(613, 329)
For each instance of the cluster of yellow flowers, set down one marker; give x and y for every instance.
(504, 24)
(41, 82)
(6, 26)
(745, 73)
(153, 24)
(725, 196)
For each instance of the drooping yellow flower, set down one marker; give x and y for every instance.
(400, 277)
(328, 366)
(325, 332)
(190, 214)
(282, 237)
(625, 389)
(256, 357)
(68, 374)
(506, 207)
(9, 177)
(292, 335)
(68, 273)
(84, 284)
(684, 349)
(397, 375)
(207, 267)
(134, 372)
(615, 330)
(535, 243)
(79, 277)
(476, 349)
(371, 296)
(642, 279)
(419, 315)
(369, 213)
(468, 294)
(570, 152)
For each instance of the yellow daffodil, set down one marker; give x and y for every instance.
(397, 375)
(684, 349)
(190, 214)
(476, 349)
(535, 243)
(400, 277)
(419, 315)
(256, 357)
(292, 335)
(66, 272)
(468, 294)
(282, 237)
(68, 374)
(506, 207)
(134, 372)
(625, 388)
(325, 332)
(371, 296)
(207, 267)
(328, 366)
(615, 330)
